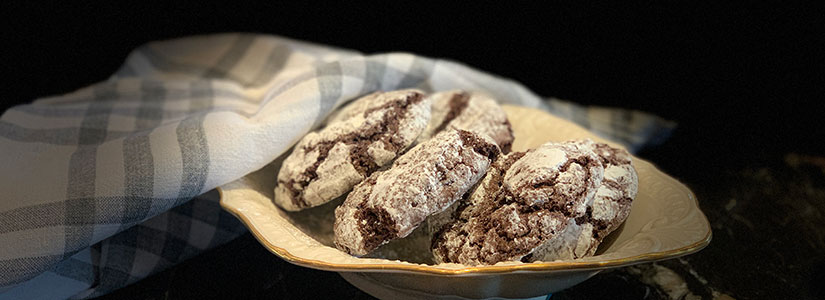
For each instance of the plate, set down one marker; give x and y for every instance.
(665, 222)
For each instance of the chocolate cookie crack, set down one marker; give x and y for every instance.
(610, 155)
(558, 202)
(613, 184)
(598, 225)
(479, 145)
(508, 145)
(378, 226)
(586, 164)
(360, 140)
(495, 235)
(484, 212)
(458, 102)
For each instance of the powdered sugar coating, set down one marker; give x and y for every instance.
(573, 242)
(425, 180)
(525, 200)
(471, 111)
(354, 108)
(621, 184)
(327, 163)
(567, 174)
(609, 208)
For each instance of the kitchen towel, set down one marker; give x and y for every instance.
(114, 182)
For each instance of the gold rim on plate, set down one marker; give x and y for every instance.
(574, 129)
(427, 269)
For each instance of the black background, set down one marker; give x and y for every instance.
(744, 84)
(732, 77)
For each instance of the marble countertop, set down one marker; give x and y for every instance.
(767, 211)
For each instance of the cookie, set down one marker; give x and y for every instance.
(356, 107)
(474, 112)
(524, 201)
(426, 180)
(619, 188)
(609, 208)
(327, 163)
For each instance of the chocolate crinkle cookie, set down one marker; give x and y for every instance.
(554, 202)
(426, 180)
(609, 208)
(327, 163)
(471, 111)
(357, 107)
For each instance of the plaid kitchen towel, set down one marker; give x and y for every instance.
(111, 183)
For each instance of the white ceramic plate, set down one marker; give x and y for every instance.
(665, 222)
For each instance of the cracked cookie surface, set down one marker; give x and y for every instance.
(471, 111)
(525, 200)
(609, 208)
(372, 131)
(426, 180)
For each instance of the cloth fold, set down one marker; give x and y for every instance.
(111, 183)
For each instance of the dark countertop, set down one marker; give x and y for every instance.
(743, 83)
(768, 219)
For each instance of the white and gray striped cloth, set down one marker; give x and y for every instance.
(113, 182)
